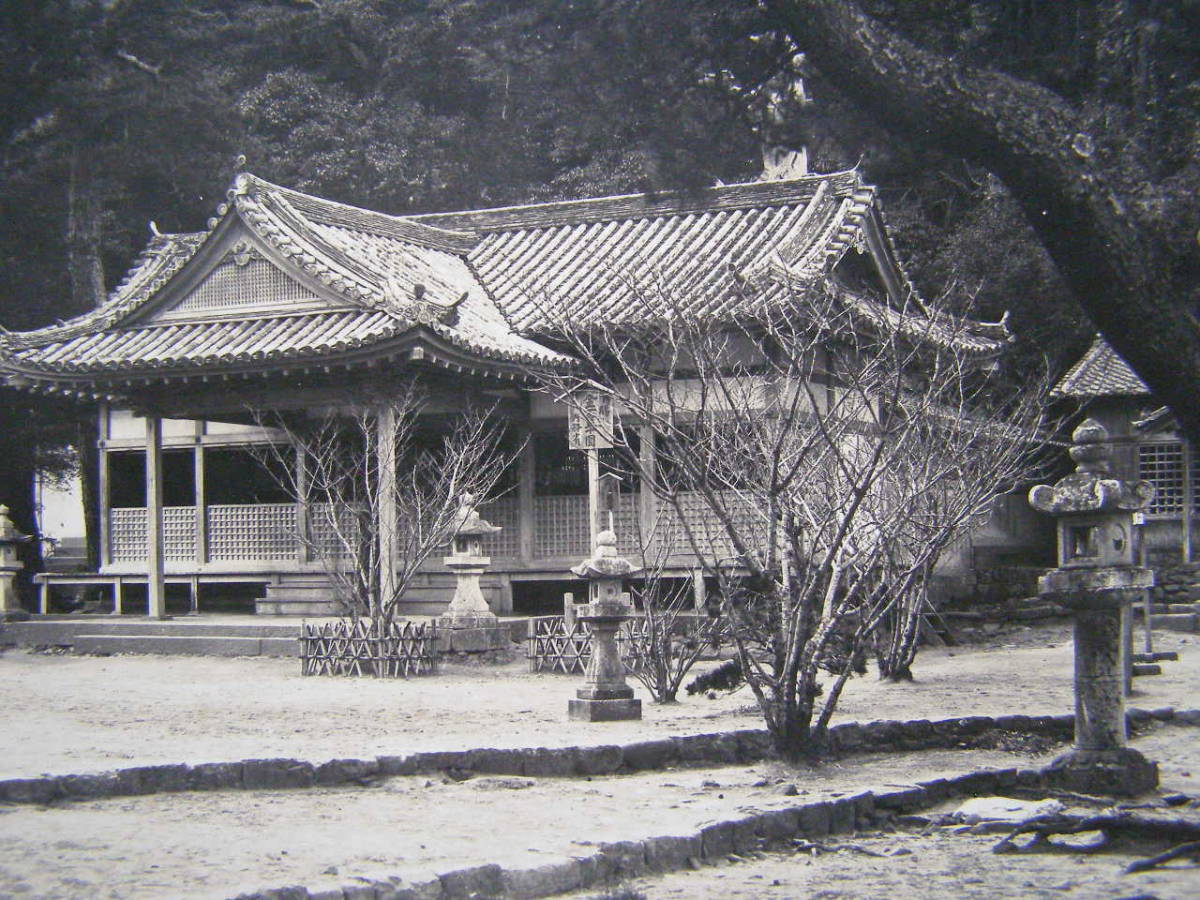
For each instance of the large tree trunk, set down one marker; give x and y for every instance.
(86, 271)
(1129, 259)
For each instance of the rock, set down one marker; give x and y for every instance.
(787, 789)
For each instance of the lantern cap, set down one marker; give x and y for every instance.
(605, 561)
(1090, 488)
(8, 531)
(468, 520)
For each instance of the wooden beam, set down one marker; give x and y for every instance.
(155, 587)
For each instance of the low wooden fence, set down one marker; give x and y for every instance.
(554, 645)
(349, 647)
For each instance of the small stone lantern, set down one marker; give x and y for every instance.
(468, 608)
(10, 539)
(605, 697)
(1097, 577)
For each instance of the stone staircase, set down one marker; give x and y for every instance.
(103, 635)
(1183, 617)
(298, 595)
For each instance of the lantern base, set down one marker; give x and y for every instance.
(604, 710)
(1120, 772)
(471, 636)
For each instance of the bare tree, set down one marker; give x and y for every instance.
(667, 639)
(369, 476)
(816, 455)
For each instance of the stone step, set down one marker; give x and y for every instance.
(1146, 669)
(186, 645)
(1174, 622)
(1156, 656)
(62, 632)
(1168, 608)
(315, 608)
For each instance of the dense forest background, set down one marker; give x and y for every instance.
(116, 113)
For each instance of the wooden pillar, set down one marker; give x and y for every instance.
(593, 476)
(303, 515)
(385, 449)
(201, 500)
(155, 587)
(647, 502)
(526, 476)
(104, 490)
(1185, 524)
(699, 589)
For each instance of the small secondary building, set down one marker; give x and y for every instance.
(289, 302)
(1147, 445)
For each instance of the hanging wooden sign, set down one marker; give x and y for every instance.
(589, 421)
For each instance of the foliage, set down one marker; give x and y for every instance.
(835, 454)
(1085, 110)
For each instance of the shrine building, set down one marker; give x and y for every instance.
(290, 302)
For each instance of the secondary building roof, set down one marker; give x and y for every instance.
(1100, 373)
(286, 279)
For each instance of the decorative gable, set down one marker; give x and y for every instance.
(242, 282)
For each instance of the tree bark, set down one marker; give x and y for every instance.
(86, 271)
(1130, 263)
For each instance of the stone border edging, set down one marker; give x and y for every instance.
(657, 855)
(721, 748)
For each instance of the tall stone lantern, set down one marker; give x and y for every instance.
(468, 608)
(1096, 578)
(468, 624)
(10, 539)
(605, 697)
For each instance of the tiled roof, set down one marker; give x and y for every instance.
(396, 275)
(1100, 373)
(711, 253)
(615, 259)
(487, 282)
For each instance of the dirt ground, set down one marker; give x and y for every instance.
(69, 714)
(74, 714)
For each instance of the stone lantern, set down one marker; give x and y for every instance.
(467, 608)
(1096, 579)
(10, 539)
(605, 697)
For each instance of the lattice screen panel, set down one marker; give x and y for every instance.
(258, 283)
(260, 531)
(179, 533)
(333, 529)
(127, 533)
(506, 513)
(704, 526)
(1162, 465)
(560, 526)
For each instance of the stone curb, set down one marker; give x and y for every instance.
(721, 748)
(656, 855)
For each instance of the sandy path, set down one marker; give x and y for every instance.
(141, 847)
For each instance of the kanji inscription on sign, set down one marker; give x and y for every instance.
(589, 421)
